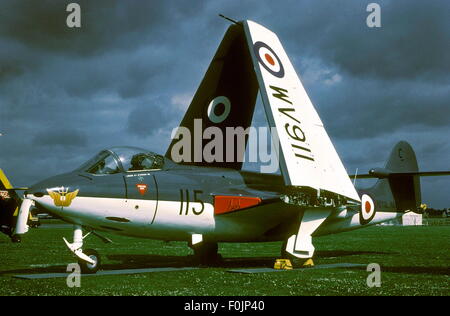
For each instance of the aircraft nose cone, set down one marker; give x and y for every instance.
(36, 192)
(53, 193)
(41, 189)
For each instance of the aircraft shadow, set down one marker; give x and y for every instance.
(346, 253)
(418, 270)
(36, 270)
(155, 261)
(127, 261)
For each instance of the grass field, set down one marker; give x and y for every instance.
(413, 260)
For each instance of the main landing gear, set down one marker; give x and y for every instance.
(296, 261)
(89, 259)
(206, 252)
(299, 248)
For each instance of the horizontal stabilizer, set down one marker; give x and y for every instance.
(380, 173)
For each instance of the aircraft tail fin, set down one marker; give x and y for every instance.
(9, 205)
(405, 188)
(400, 178)
(225, 99)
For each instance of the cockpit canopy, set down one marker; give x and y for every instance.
(123, 159)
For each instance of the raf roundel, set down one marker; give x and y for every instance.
(367, 212)
(269, 59)
(219, 109)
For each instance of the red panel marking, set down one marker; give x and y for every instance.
(226, 204)
(368, 207)
(269, 59)
(142, 188)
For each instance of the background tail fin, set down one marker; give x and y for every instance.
(399, 179)
(405, 188)
(9, 204)
(402, 159)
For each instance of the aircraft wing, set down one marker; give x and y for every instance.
(224, 100)
(307, 156)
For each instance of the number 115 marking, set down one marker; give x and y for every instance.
(184, 205)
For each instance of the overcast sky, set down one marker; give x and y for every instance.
(128, 74)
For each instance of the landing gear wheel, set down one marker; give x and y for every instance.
(88, 268)
(284, 254)
(207, 253)
(16, 239)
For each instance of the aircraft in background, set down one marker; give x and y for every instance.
(134, 192)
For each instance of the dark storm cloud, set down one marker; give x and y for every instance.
(412, 42)
(61, 137)
(127, 76)
(109, 28)
(15, 59)
(357, 108)
(107, 25)
(147, 118)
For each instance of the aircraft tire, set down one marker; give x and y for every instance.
(207, 253)
(88, 268)
(284, 254)
(16, 239)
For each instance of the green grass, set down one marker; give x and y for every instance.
(413, 260)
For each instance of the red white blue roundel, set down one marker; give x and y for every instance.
(268, 59)
(367, 212)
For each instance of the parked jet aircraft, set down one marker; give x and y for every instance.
(134, 192)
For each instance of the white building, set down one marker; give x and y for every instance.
(411, 219)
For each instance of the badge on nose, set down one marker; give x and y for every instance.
(62, 196)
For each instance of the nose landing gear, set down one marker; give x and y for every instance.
(89, 260)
